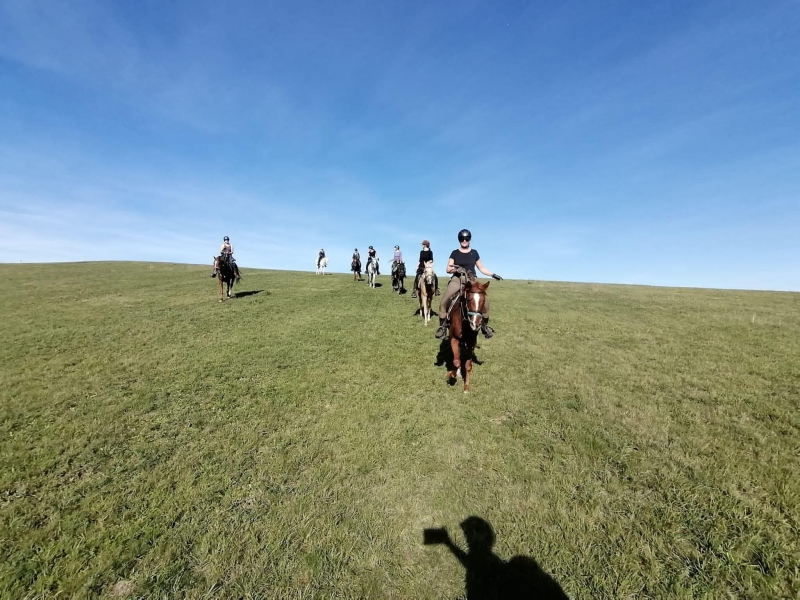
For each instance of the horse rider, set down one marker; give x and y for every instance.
(397, 258)
(226, 251)
(425, 255)
(355, 263)
(321, 256)
(372, 255)
(463, 259)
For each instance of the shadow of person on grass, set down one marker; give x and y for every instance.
(245, 294)
(488, 577)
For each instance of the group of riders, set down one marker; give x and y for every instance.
(461, 265)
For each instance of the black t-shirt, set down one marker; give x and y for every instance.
(466, 259)
(371, 253)
(425, 256)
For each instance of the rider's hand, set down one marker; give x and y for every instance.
(496, 276)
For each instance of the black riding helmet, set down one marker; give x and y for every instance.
(226, 239)
(464, 234)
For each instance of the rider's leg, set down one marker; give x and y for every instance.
(436, 284)
(485, 328)
(416, 283)
(453, 287)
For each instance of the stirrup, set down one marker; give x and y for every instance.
(441, 333)
(487, 331)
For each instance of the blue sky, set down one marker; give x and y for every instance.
(622, 142)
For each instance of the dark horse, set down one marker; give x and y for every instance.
(355, 267)
(223, 267)
(398, 277)
(466, 318)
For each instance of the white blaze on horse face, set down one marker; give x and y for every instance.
(475, 320)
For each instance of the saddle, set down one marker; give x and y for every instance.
(463, 278)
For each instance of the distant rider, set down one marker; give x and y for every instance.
(465, 259)
(372, 255)
(398, 256)
(425, 255)
(321, 256)
(226, 252)
(355, 263)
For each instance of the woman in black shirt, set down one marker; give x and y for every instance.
(425, 255)
(468, 259)
(372, 256)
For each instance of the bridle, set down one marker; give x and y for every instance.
(466, 314)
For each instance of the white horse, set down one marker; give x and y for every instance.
(321, 266)
(425, 291)
(372, 270)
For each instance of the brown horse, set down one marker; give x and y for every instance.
(355, 267)
(465, 324)
(226, 274)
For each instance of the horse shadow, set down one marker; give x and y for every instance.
(487, 576)
(445, 356)
(250, 293)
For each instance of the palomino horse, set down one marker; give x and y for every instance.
(322, 264)
(372, 270)
(466, 318)
(225, 274)
(398, 277)
(425, 290)
(355, 267)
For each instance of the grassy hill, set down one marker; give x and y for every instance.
(295, 442)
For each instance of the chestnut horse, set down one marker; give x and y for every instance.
(355, 267)
(225, 274)
(466, 318)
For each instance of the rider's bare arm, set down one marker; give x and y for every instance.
(451, 266)
(483, 269)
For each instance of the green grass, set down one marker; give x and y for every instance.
(636, 442)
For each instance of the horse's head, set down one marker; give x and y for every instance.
(474, 299)
(427, 273)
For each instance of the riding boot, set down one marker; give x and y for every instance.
(436, 285)
(416, 283)
(485, 329)
(441, 333)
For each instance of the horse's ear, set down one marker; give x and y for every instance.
(486, 285)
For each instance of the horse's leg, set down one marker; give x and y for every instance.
(467, 373)
(454, 346)
(428, 300)
(220, 278)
